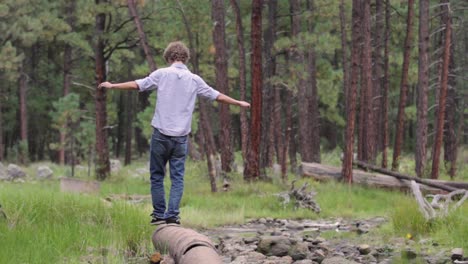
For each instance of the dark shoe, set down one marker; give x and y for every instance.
(157, 221)
(173, 220)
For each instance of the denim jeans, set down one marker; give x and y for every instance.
(163, 149)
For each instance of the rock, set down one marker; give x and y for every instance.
(303, 261)
(262, 221)
(318, 240)
(317, 256)
(44, 172)
(274, 246)
(408, 253)
(457, 254)
(115, 165)
(337, 260)
(364, 249)
(15, 172)
(299, 251)
(3, 172)
(294, 226)
(250, 240)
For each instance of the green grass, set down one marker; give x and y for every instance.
(47, 226)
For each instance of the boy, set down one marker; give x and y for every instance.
(177, 90)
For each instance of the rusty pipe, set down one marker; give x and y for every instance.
(185, 245)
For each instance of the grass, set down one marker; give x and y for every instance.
(47, 226)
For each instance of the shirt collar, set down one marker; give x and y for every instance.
(179, 66)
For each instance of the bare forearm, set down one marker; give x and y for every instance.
(222, 98)
(132, 85)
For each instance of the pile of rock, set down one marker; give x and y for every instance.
(281, 241)
(15, 173)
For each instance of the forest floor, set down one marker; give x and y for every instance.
(45, 225)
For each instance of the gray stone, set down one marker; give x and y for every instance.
(337, 260)
(299, 251)
(294, 226)
(274, 246)
(303, 261)
(457, 254)
(3, 172)
(250, 240)
(409, 253)
(115, 165)
(44, 172)
(364, 249)
(15, 172)
(317, 256)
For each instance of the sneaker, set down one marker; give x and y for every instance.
(157, 221)
(173, 220)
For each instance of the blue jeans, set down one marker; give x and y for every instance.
(163, 149)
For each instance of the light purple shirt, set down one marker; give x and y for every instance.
(177, 89)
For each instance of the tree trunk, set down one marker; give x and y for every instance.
(268, 145)
(242, 77)
(347, 166)
(141, 33)
(23, 116)
(252, 169)
(386, 84)
(452, 104)
(400, 126)
(207, 133)
(344, 53)
(221, 72)
(298, 58)
(312, 94)
(379, 38)
(144, 96)
(442, 96)
(423, 88)
(2, 145)
(366, 137)
(287, 134)
(102, 149)
(121, 113)
(129, 128)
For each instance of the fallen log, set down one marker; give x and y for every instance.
(185, 245)
(322, 172)
(405, 177)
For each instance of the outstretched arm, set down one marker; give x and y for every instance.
(132, 85)
(222, 98)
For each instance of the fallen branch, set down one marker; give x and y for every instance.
(405, 177)
(437, 208)
(302, 198)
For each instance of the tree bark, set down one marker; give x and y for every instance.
(344, 53)
(67, 72)
(129, 128)
(423, 88)
(452, 104)
(379, 38)
(222, 84)
(386, 84)
(347, 167)
(23, 116)
(312, 93)
(400, 125)
(268, 145)
(141, 33)
(242, 77)
(252, 169)
(442, 96)
(298, 58)
(102, 149)
(366, 137)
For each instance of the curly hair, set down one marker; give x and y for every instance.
(176, 51)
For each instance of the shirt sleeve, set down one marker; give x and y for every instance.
(149, 83)
(204, 90)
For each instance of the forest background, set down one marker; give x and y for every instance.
(373, 78)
